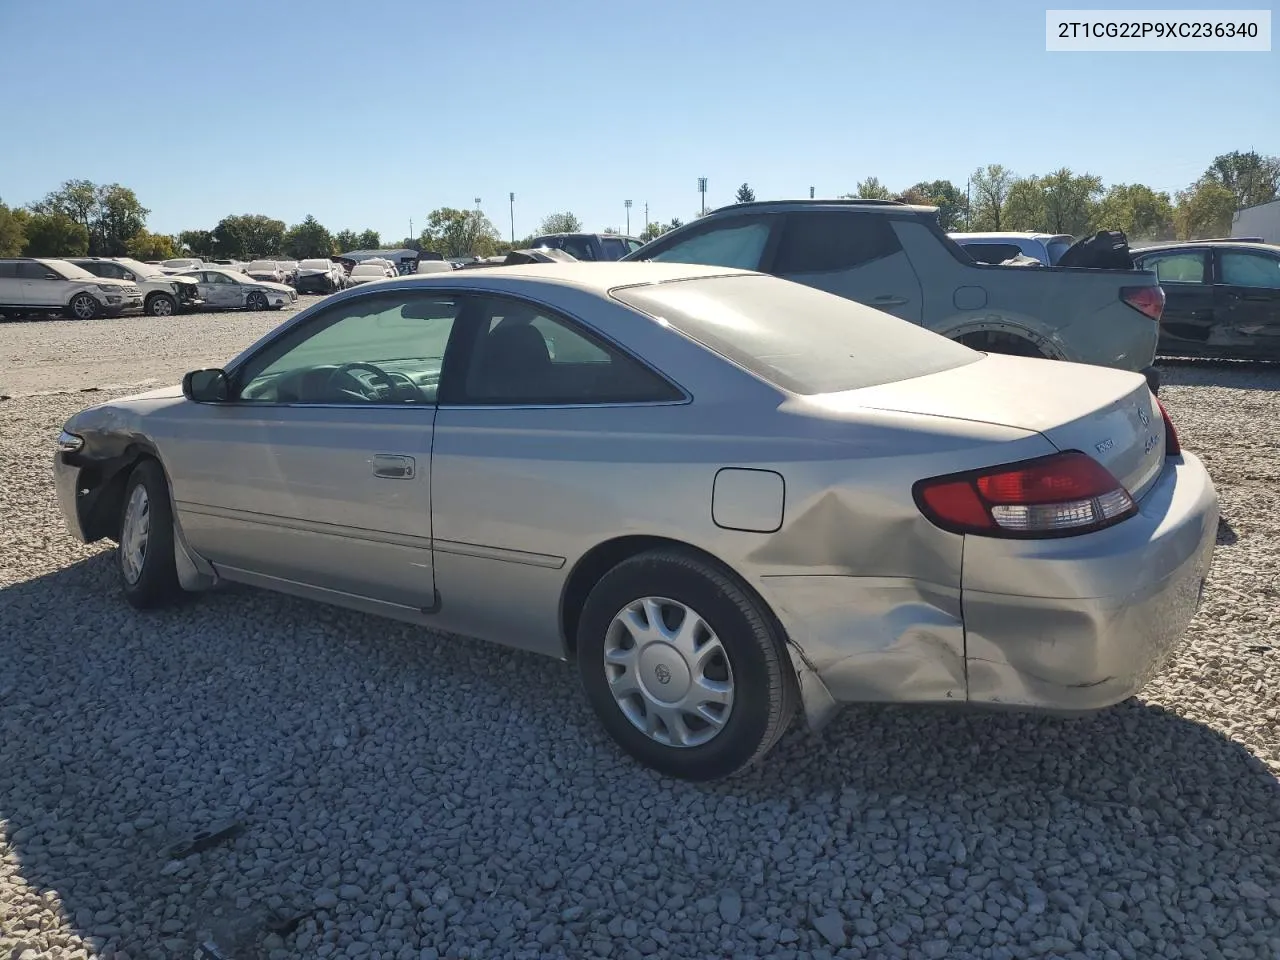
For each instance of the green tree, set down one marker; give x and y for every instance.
(120, 218)
(13, 231)
(944, 195)
(560, 223)
(1071, 201)
(198, 243)
(152, 246)
(55, 235)
(611, 231)
(346, 240)
(1204, 210)
(459, 233)
(308, 239)
(370, 240)
(869, 189)
(76, 200)
(1142, 213)
(1251, 177)
(1024, 206)
(745, 194)
(245, 236)
(990, 187)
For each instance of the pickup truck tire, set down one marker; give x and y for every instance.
(161, 305)
(83, 306)
(992, 341)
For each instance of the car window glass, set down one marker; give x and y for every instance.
(579, 247)
(633, 246)
(1181, 267)
(34, 271)
(614, 248)
(526, 355)
(386, 348)
(736, 243)
(829, 240)
(8, 270)
(1250, 270)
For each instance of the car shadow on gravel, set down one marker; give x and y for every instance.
(386, 763)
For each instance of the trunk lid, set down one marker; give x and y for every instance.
(1109, 414)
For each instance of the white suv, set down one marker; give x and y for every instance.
(29, 285)
(163, 294)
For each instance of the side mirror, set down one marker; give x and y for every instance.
(206, 386)
(129, 275)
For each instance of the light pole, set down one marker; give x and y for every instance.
(627, 204)
(811, 193)
(702, 189)
(513, 218)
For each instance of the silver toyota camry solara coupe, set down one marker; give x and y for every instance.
(723, 494)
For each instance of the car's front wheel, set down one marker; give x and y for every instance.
(256, 301)
(148, 571)
(83, 306)
(161, 305)
(685, 669)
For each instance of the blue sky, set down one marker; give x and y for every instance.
(368, 114)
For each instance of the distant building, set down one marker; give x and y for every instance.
(1261, 220)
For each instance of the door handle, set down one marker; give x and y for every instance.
(393, 466)
(889, 300)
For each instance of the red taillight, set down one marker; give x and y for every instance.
(1146, 300)
(1059, 495)
(1172, 447)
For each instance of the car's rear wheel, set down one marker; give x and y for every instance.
(256, 301)
(993, 341)
(83, 306)
(148, 571)
(161, 305)
(685, 669)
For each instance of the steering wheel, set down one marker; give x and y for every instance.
(379, 376)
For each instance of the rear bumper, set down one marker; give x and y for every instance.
(1081, 623)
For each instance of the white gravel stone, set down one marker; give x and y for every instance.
(476, 809)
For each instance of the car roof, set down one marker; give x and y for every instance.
(860, 203)
(1200, 244)
(596, 277)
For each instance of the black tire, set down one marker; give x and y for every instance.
(161, 305)
(156, 582)
(1010, 344)
(83, 306)
(256, 301)
(765, 687)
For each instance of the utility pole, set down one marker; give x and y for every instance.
(411, 228)
(646, 216)
(513, 218)
(627, 204)
(702, 189)
(811, 193)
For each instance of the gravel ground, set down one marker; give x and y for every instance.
(434, 797)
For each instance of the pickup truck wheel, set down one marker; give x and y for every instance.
(83, 306)
(992, 341)
(161, 305)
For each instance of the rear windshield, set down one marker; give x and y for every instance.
(797, 338)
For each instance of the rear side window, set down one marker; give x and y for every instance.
(1250, 270)
(992, 252)
(8, 270)
(824, 241)
(614, 248)
(34, 271)
(799, 339)
(1179, 267)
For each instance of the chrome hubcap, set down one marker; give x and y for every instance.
(83, 307)
(668, 672)
(134, 532)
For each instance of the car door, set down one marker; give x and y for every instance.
(41, 287)
(1246, 302)
(538, 418)
(316, 471)
(743, 241)
(1187, 324)
(214, 288)
(853, 255)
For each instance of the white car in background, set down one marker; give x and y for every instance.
(369, 270)
(163, 294)
(181, 264)
(225, 289)
(266, 270)
(30, 285)
(319, 275)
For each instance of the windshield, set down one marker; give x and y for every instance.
(369, 269)
(69, 271)
(1057, 247)
(800, 339)
(315, 264)
(263, 265)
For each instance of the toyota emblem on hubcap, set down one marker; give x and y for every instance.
(663, 673)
